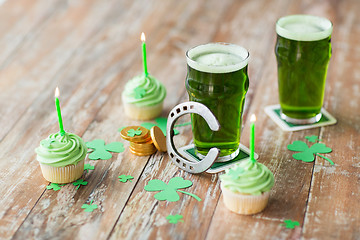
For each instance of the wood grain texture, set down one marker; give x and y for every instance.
(333, 209)
(20, 20)
(88, 101)
(91, 48)
(33, 68)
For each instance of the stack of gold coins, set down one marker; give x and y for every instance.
(143, 143)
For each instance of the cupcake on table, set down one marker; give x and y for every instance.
(246, 187)
(143, 96)
(61, 155)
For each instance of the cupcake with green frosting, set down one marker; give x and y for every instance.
(143, 97)
(246, 187)
(61, 158)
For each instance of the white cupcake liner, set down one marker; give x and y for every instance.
(244, 204)
(67, 174)
(143, 112)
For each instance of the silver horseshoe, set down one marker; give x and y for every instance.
(184, 164)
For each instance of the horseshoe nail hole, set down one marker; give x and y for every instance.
(172, 114)
(178, 161)
(191, 106)
(184, 165)
(178, 110)
(171, 155)
(185, 108)
(191, 167)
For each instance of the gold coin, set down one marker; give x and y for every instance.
(143, 147)
(146, 148)
(148, 144)
(142, 153)
(158, 138)
(143, 150)
(142, 137)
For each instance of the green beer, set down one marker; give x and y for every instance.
(217, 77)
(303, 51)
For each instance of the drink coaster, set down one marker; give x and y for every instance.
(188, 152)
(274, 112)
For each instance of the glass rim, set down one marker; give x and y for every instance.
(222, 47)
(322, 22)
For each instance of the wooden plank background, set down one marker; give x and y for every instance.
(91, 48)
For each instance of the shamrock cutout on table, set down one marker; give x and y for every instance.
(47, 142)
(235, 172)
(139, 92)
(306, 154)
(161, 122)
(290, 223)
(124, 178)
(54, 186)
(169, 191)
(80, 182)
(89, 207)
(101, 151)
(312, 138)
(133, 132)
(175, 218)
(88, 167)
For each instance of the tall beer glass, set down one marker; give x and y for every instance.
(303, 51)
(217, 77)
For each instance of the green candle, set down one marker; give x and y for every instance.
(57, 104)
(144, 54)
(252, 137)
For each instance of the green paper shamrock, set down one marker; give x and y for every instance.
(161, 122)
(139, 92)
(89, 207)
(80, 182)
(133, 132)
(125, 178)
(47, 142)
(101, 151)
(290, 223)
(168, 191)
(175, 218)
(235, 172)
(306, 154)
(54, 186)
(88, 167)
(312, 138)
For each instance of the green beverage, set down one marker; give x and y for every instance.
(303, 51)
(217, 77)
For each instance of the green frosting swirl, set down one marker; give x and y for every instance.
(249, 178)
(60, 151)
(153, 91)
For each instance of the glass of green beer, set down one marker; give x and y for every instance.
(303, 51)
(217, 77)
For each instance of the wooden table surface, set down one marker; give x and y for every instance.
(91, 48)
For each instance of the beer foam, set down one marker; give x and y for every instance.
(217, 58)
(304, 27)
